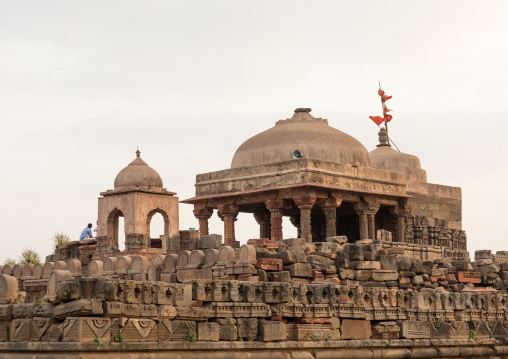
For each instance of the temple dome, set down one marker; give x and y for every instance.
(301, 136)
(384, 157)
(138, 174)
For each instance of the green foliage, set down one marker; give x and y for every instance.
(119, 338)
(38, 300)
(352, 338)
(472, 334)
(328, 338)
(60, 238)
(191, 336)
(240, 338)
(98, 341)
(259, 339)
(29, 256)
(9, 261)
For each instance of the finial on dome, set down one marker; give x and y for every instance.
(303, 109)
(138, 152)
(383, 137)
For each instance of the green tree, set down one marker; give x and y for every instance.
(60, 238)
(29, 256)
(9, 261)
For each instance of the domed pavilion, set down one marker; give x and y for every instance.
(137, 196)
(328, 184)
(302, 168)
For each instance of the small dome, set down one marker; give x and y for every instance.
(301, 136)
(386, 158)
(138, 174)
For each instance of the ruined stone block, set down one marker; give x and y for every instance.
(270, 331)
(239, 310)
(300, 270)
(139, 330)
(81, 307)
(44, 309)
(211, 241)
(469, 277)
(166, 311)
(269, 264)
(39, 331)
(83, 329)
(362, 275)
(365, 265)
(388, 262)
(5, 311)
(311, 332)
(247, 328)
(20, 330)
(282, 276)
(8, 288)
(181, 329)
(211, 257)
(449, 330)
(5, 330)
(208, 331)
(383, 275)
(23, 310)
(358, 329)
(228, 332)
(292, 256)
(413, 329)
(386, 330)
(164, 330)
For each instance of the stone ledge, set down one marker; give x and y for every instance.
(153, 347)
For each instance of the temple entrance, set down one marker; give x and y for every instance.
(348, 222)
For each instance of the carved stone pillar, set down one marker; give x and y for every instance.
(329, 207)
(263, 219)
(203, 215)
(305, 205)
(400, 213)
(366, 214)
(275, 208)
(228, 213)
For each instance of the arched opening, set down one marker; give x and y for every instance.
(116, 228)
(157, 225)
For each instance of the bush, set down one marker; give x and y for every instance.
(60, 238)
(9, 261)
(29, 256)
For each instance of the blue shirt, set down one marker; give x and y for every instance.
(87, 232)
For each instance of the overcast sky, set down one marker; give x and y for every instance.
(82, 83)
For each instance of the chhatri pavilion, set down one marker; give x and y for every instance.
(329, 185)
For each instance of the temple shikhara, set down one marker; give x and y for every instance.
(379, 267)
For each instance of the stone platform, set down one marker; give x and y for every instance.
(352, 349)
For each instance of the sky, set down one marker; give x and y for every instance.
(83, 83)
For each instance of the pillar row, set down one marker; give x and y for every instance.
(367, 218)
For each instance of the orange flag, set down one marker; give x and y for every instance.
(378, 120)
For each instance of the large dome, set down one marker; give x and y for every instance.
(138, 174)
(309, 136)
(386, 158)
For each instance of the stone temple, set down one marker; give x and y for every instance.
(379, 268)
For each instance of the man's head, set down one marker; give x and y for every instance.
(89, 225)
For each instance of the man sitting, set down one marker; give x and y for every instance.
(86, 233)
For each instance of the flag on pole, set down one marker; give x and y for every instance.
(386, 117)
(378, 120)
